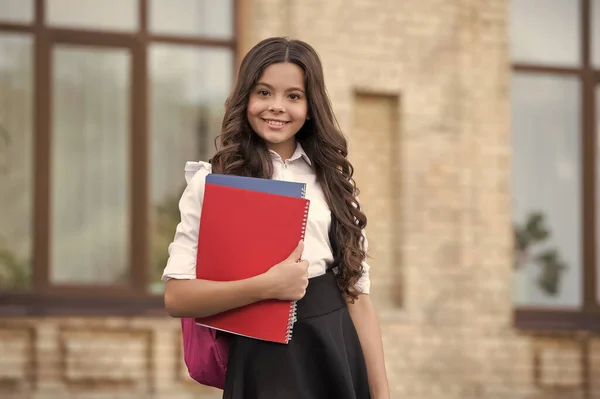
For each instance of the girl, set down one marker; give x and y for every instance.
(279, 124)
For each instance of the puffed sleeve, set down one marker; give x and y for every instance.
(182, 251)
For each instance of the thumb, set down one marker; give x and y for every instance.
(297, 253)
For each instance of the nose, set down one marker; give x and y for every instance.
(276, 105)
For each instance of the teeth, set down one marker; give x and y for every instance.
(275, 123)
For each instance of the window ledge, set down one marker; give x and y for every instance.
(32, 304)
(555, 320)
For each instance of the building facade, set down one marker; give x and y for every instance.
(475, 153)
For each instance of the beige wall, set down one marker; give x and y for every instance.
(421, 89)
(443, 283)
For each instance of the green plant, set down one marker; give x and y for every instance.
(166, 218)
(14, 272)
(534, 232)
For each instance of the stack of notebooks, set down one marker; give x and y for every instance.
(247, 226)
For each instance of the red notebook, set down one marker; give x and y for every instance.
(244, 233)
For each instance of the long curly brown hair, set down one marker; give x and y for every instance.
(242, 152)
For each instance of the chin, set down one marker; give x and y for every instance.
(274, 138)
(276, 142)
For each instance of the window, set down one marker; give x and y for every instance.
(101, 105)
(555, 99)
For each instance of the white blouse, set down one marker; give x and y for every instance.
(317, 248)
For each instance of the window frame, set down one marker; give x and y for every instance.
(588, 316)
(45, 298)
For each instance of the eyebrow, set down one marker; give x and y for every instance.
(272, 88)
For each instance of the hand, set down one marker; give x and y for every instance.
(287, 281)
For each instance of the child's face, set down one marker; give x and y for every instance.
(277, 108)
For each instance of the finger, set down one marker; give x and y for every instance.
(297, 253)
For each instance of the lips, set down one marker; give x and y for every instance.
(275, 122)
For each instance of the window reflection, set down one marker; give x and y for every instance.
(192, 18)
(596, 33)
(93, 14)
(16, 160)
(17, 11)
(188, 87)
(546, 190)
(90, 152)
(598, 191)
(545, 32)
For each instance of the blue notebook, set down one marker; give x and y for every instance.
(278, 187)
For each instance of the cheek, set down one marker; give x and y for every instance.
(254, 108)
(252, 113)
(301, 113)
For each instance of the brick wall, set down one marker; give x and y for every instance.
(94, 358)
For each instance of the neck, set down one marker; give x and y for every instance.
(284, 150)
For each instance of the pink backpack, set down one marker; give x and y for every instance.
(205, 352)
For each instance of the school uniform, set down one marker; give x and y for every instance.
(324, 359)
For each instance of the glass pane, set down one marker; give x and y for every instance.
(120, 15)
(546, 176)
(16, 160)
(545, 32)
(598, 192)
(189, 86)
(192, 17)
(90, 152)
(596, 33)
(20, 11)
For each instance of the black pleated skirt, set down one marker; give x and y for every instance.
(324, 359)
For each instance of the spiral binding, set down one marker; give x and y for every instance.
(293, 316)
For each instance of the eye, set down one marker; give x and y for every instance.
(263, 92)
(295, 96)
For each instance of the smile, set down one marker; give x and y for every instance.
(273, 122)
